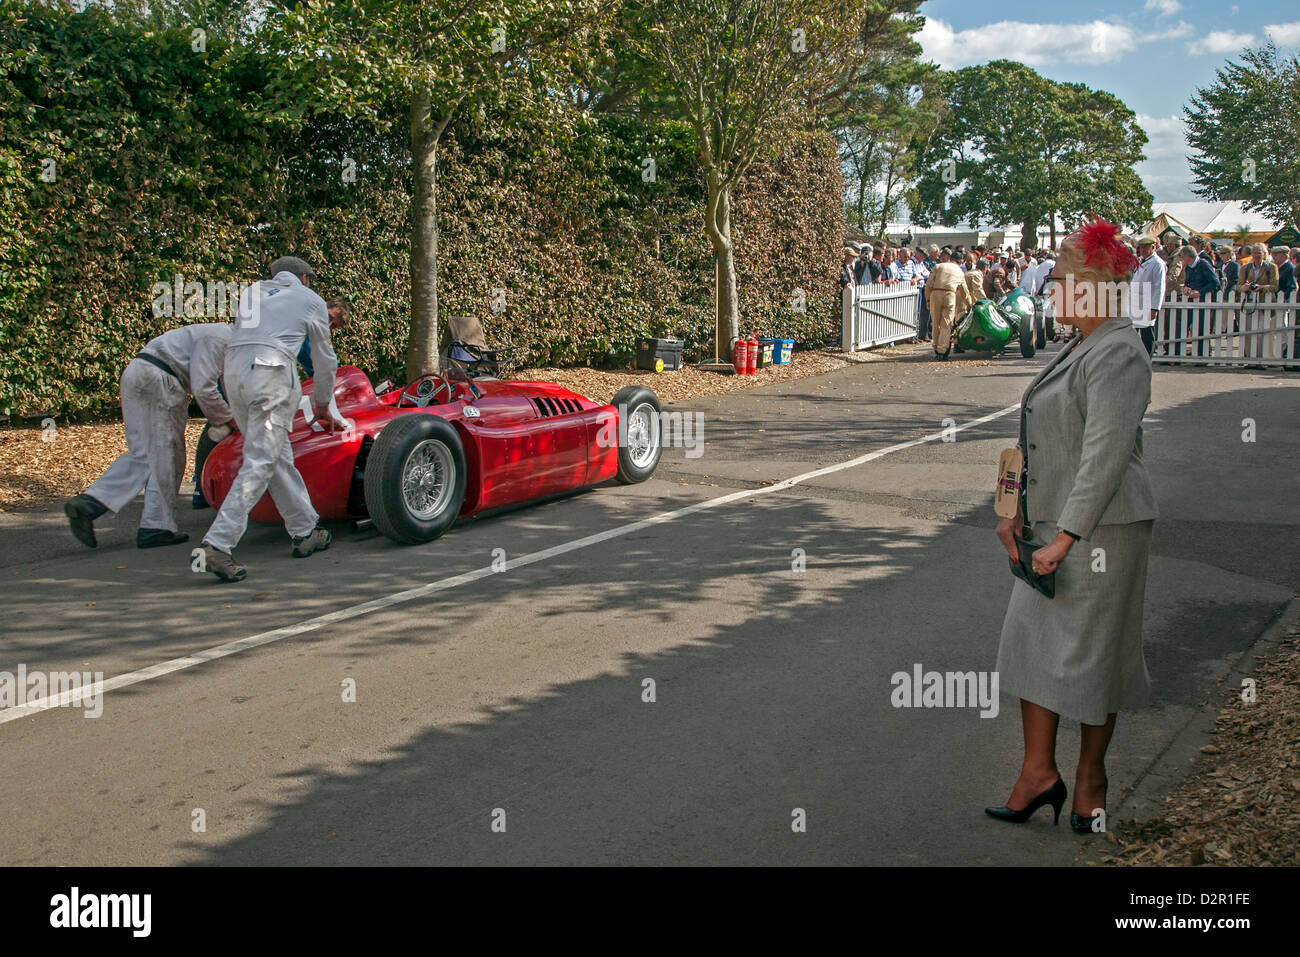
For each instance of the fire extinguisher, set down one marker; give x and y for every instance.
(740, 355)
(752, 354)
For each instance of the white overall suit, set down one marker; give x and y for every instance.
(261, 379)
(154, 407)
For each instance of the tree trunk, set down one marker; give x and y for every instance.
(718, 225)
(1052, 225)
(422, 347)
(1028, 236)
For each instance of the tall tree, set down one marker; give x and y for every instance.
(879, 108)
(435, 58)
(1015, 147)
(1247, 134)
(742, 74)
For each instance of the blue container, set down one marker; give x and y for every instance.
(782, 349)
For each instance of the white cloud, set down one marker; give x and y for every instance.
(1284, 34)
(1165, 172)
(1165, 7)
(1098, 41)
(1221, 41)
(1166, 136)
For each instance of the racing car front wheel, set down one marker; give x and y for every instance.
(415, 478)
(1027, 337)
(640, 433)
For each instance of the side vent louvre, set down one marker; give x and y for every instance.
(548, 407)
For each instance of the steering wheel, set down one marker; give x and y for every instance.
(427, 388)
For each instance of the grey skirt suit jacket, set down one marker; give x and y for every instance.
(1080, 654)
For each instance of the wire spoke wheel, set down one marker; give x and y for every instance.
(426, 479)
(643, 434)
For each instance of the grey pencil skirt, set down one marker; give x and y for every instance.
(1080, 654)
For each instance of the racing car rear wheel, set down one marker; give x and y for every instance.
(640, 433)
(415, 478)
(1027, 337)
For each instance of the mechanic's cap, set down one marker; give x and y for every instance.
(294, 265)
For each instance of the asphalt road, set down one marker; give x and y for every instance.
(518, 696)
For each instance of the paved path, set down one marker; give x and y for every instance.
(523, 690)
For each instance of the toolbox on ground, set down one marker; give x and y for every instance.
(651, 351)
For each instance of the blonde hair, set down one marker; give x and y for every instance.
(1071, 261)
(1104, 283)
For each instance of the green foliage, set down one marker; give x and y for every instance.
(882, 110)
(170, 161)
(1015, 147)
(1247, 134)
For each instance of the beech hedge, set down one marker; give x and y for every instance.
(128, 160)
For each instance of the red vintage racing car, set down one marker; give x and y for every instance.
(413, 459)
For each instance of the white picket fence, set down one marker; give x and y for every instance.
(877, 315)
(1228, 329)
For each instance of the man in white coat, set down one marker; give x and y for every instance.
(156, 386)
(261, 380)
(1146, 292)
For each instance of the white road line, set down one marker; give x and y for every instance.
(413, 594)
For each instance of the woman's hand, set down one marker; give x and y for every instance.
(1047, 558)
(1007, 531)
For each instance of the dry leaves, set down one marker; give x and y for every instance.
(37, 468)
(689, 381)
(1241, 805)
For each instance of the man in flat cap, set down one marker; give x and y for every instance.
(274, 318)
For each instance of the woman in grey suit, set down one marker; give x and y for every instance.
(1088, 495)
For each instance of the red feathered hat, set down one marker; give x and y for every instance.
(1102, 249)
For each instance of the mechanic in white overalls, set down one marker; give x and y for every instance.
(156, 386)
(261, 381)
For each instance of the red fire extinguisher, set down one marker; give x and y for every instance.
(739, 355)
(752, 354)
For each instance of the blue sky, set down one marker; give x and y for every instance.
(1152, 54)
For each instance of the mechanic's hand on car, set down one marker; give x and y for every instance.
(323, 417)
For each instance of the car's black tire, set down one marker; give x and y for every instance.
(1027, 338)
(638, 406)
(413, 452)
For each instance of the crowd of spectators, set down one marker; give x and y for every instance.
(1000, 269)
(1196, 270)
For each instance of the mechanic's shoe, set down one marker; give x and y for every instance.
(82, 510)
(317, 541)
(154, 537)
(222, 564)
(198, 502)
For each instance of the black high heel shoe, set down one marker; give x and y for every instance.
(1055, 796)
(1083, 825)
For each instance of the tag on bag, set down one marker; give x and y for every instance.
(1006, 498)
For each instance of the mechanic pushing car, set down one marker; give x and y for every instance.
(340, 310)
(156, 386)
(261, 381)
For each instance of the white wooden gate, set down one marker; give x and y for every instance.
(877, 314)
(1228, 329)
